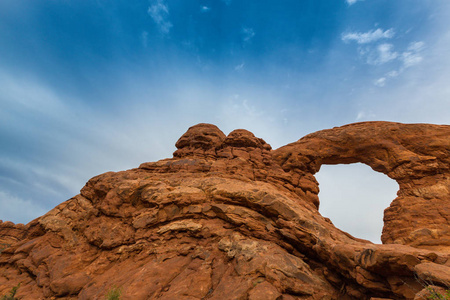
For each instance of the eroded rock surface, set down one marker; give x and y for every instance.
(229, 218)
(417, 156)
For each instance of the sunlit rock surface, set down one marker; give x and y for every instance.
(229, 218)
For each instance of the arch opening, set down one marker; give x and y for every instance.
(354, 198)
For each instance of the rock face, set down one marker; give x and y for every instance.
(417, 156)
(229, 218)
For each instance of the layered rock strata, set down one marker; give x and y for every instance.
(417, 156)
(229, 218)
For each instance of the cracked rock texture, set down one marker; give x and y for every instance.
(229, 218)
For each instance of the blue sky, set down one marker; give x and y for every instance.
(92, 86)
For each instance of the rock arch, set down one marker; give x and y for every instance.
(417, 156)
(229, 213)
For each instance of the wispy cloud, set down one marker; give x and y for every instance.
(205, 8)
(227, 2)
(368, 37)
(412, 56)
(383, 53)
(239, 67)
(380, 81)
(159, 12)
(376, 52)
(392, 74)
(247, 34)
(351, 2)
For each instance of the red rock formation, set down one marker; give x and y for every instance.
(228, 218)
(417, 156)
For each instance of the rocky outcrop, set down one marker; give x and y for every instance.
(417, 156)
(10, 233)
(229, 218)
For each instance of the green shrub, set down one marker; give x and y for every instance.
(434, 295)
(12, 294)
(3, 246)
(114, 294)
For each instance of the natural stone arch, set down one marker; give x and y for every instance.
(226, 212)
(417, 156)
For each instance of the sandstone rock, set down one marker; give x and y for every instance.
(432, 272)
(201, 139)
(229, 218)
(415, 155)
(11, 233)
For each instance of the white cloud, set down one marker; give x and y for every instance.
(392, 74)
(247, 34)
(368, 37)
(382, 55)
(380, 81)
(205, 8)
(413, 55)
(416, 46)
(408, 58)
(417, 94)
(159, 12)
(351, 2)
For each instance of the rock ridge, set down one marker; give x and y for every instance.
(229, 218)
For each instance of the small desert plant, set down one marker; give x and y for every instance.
(434, 295)
(12, 294)
(434, 292)
(114, 294)
(3, 246)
